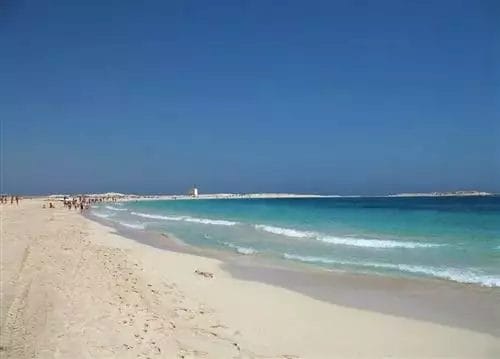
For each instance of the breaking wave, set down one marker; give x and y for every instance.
(102, 215)
(285, 231)
(115, 209)
(374, 243)
(157, 216)
(454, 274)
(239, 249)
(217, 222)
(346, 241)
(133, 225)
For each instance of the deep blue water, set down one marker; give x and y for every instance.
(452, 238)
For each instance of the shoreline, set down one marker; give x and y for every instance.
(415, 298)
(74, 287)
(355, 244)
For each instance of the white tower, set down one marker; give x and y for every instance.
(193, 191)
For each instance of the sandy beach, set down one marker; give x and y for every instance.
(75, 288)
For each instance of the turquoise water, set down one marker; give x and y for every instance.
(451, 238)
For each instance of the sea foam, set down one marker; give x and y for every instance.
(285, 231)
(217, 222)
(374, 243)
(346, 241)
(157, 216)
(186, 219)
(454, 274)
(115, 209)
(102, 215)
(133, 225)
(239, 249)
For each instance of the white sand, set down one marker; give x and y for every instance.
(71, 288)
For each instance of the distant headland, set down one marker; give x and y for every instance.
(196, 195)
(443, 194)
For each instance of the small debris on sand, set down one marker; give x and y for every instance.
(204, 274)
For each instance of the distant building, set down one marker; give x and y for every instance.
(193, 192)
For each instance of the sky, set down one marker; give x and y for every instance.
(331, 97)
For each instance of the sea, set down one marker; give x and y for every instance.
(449, 238)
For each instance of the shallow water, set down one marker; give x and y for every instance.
(452, 238)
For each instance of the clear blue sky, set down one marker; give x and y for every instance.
(344, 97)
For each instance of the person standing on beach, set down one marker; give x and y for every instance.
(17, 200)
(11, 199)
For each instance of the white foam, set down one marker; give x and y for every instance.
(285, 231)
(156, 216)
(217, 222)
(453, 274)
(133, 225)
(246, 251)
(102, 215)
(346, 241)
(374, 243)
(241, 250)
(115, 209)
(311, 259)
(186, 219)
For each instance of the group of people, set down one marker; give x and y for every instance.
(76, 203)
(4, 199)
(83, 202)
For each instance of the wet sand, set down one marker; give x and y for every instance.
(438, 301)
